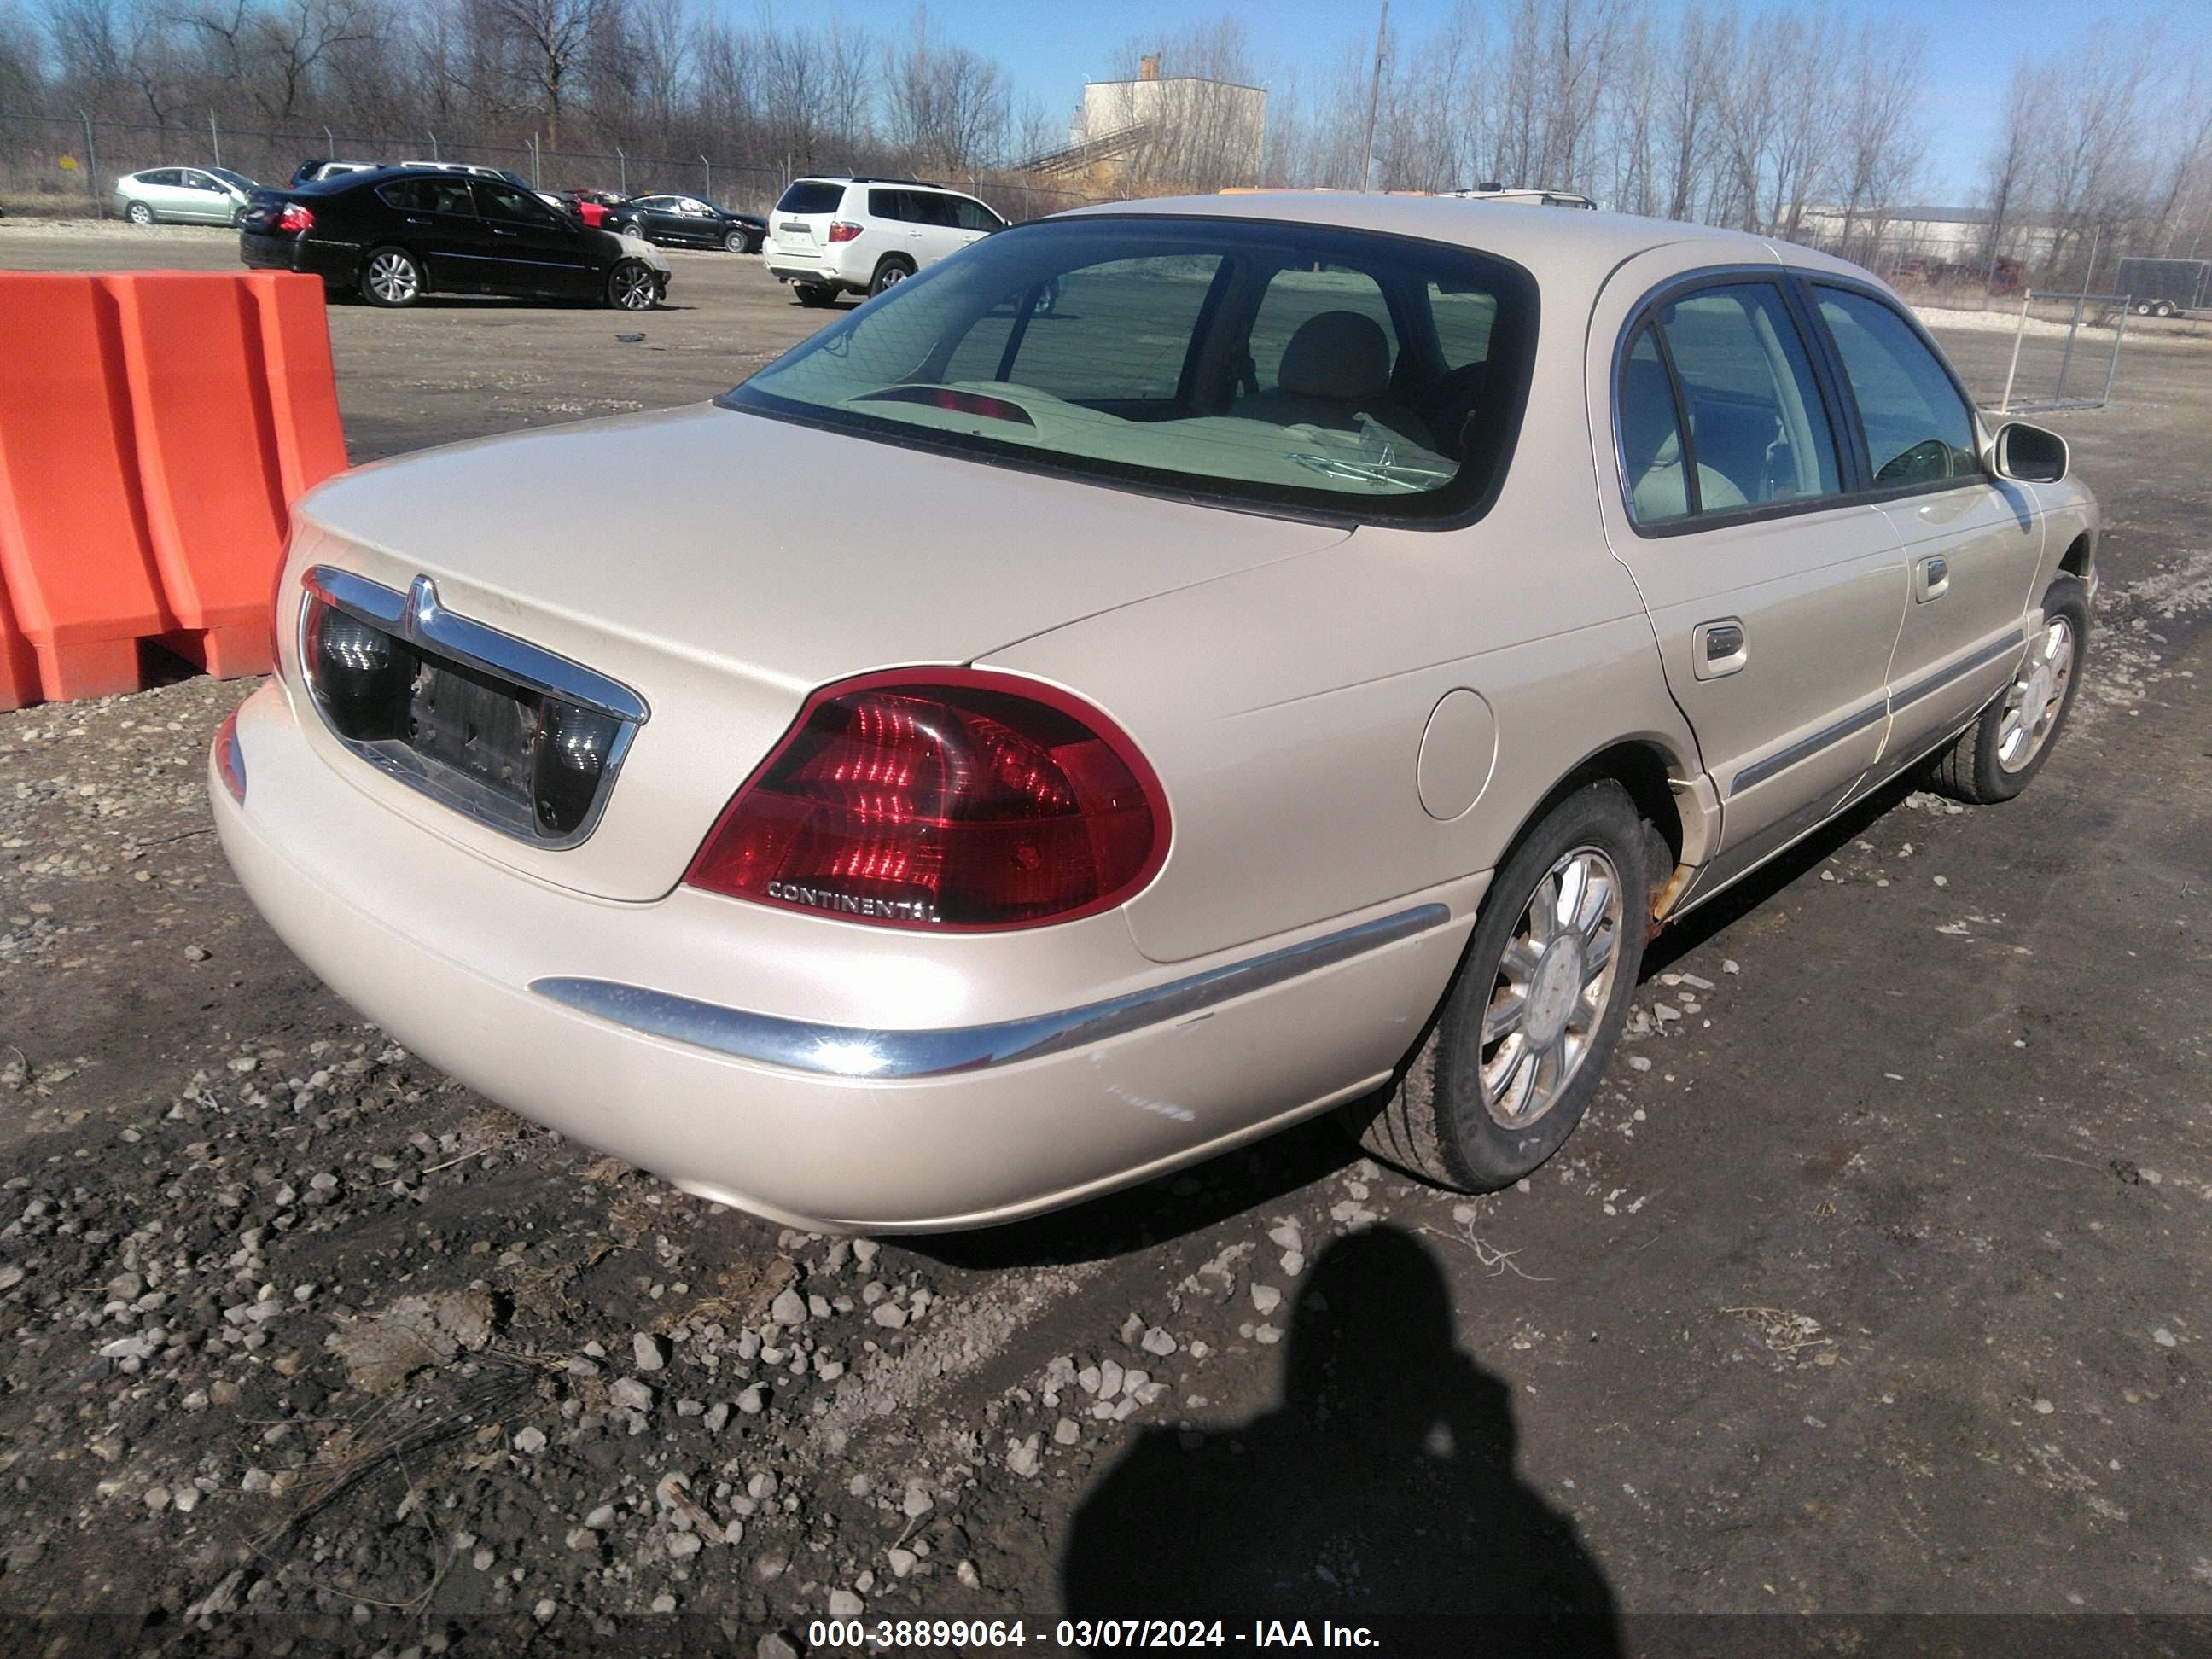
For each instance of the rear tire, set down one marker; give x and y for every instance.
(1477, 1108)
(391, 277)
(1999, 755)
(737, 242)
(812, 294)
(890, 273)
(139, 214)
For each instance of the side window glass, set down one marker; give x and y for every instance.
(1758, 433)
(1650, 434)
(1918, 429)
(886, 204)
(973, 216)
(507, 206)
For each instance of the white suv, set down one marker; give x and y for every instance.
(861, 235)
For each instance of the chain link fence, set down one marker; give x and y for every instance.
(63, 167)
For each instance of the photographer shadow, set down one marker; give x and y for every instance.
(1383, 1485)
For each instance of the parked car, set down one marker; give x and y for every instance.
(397, 234)
(842, 235)
(690, 222)
(1297, 673)
(591, 206)
(316, 168)
(201, 196)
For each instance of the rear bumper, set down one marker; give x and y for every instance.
(596, 1017)
(334, 262)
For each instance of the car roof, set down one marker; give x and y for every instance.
(873, 178)
(1559, 246)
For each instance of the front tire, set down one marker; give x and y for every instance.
(1997, 758)
(391, 277)
(889, 274)
(139, 214)
(1520, 1045)
(632, 286)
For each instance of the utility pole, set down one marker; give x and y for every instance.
(215, 137)
(1375, 96)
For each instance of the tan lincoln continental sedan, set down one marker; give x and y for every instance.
(1183, 667)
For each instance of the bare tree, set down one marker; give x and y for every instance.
(552, 38)
(1688, 123)
(1880, 146)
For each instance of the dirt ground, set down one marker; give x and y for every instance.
(1873, 1285)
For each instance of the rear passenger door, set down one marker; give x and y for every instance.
(1973, 541)
(438, 222)
(1775, 600)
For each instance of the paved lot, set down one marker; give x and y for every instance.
(1875, 1281)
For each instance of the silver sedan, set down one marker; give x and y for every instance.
(1187, 667)
(191, 195)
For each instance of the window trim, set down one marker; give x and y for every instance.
(1194, 489)
(1796, 284)
(1645, 311)
(1868, 489)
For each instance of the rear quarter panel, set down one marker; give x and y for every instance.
(1285, 709)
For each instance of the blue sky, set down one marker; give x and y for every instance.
(1051, 49)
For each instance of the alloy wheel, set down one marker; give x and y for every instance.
(1553, 982)
(392, 278)
(2036, 696)
(633, 287)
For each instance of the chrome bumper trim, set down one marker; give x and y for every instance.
(851, 1051)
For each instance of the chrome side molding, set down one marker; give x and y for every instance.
(854, 1052)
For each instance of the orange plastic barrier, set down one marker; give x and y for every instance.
(303, 388)
(155, 429)
(19, 668)
(74, 550)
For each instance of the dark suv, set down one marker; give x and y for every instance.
(397, 234)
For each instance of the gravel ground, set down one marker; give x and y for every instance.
(1875, 1283)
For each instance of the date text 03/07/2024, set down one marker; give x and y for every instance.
(1085, 1634)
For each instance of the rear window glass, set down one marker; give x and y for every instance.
(811, 195)
(1298, 366)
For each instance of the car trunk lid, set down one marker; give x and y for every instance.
(722, 564)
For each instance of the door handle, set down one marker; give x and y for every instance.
(1720, 647)
(417, 221)
(1931, 578)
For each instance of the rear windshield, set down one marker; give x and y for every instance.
(811, 195)
(1292, 367)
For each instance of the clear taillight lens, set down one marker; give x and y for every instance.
(361, 676)
(942, 799)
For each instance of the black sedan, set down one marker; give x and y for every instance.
(395, 235)
(689, 221)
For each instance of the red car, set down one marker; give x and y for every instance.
(590, 205)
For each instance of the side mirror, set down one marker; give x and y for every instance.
(2029, 454)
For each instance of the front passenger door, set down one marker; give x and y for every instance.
(535, 251)
(1973, 543)
(1775, 605)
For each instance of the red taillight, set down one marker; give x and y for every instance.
(295, 220)
(942, 799)
(843, 230)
